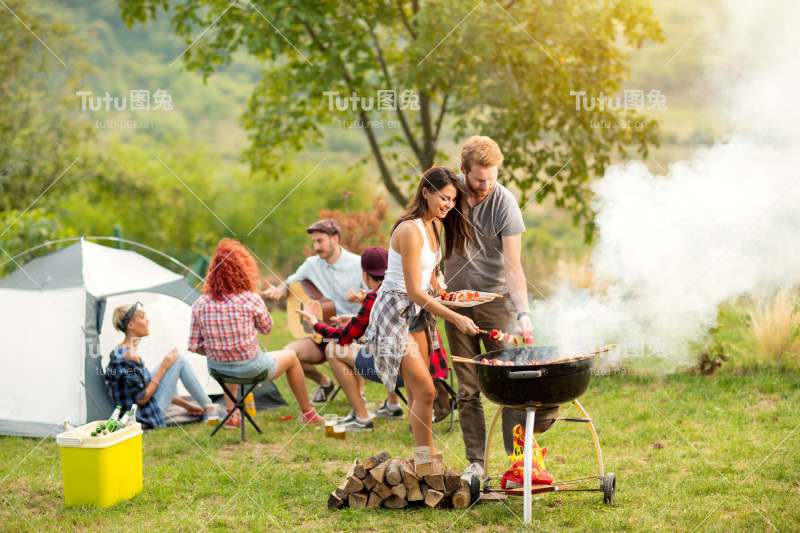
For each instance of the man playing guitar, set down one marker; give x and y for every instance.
(335, 272)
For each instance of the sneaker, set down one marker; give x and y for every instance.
(384, 412)
(234, 421)
(322, 393)
(473, 470)
(351, 423)
(310, 417)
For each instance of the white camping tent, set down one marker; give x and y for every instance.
(55, 313)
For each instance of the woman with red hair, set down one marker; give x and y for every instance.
(224, 324)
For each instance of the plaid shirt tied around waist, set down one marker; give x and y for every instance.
(387, 334)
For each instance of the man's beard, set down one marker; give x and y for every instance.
(478, 193)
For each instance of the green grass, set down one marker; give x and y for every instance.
(716, 429)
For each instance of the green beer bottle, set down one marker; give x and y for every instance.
(111, 425)
(94, 433)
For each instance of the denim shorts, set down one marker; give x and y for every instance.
(249, 368)
(419, 322)
(365, 367)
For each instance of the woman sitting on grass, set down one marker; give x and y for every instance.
(402, 327)
(224, 324)
(129, 380)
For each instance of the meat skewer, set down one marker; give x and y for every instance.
(499, 336)
(461, 296)
(466, 296)
(557, 359)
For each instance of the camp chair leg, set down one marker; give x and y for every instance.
(220, 424)
(335, 392)
(229, 395)
(241, 393)
(453, 403)
(240, 406)
(400, 394)
(452, 416)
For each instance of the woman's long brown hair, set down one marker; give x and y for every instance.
(457, 229)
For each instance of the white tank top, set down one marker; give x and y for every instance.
(394, 280)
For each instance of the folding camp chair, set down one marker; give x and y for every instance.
(238, 402)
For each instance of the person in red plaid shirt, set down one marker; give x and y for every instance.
(342, 349)
(224, 325)
(345, 355)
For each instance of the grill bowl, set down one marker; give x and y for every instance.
(540, 386)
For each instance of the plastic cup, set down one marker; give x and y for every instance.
(370, 409)
(330, 422)
(339, 432)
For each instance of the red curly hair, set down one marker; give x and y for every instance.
(233, 270)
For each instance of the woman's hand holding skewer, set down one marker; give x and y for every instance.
(466, 325)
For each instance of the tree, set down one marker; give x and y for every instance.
(40, 123)
(505, 70)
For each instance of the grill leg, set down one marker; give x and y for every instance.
(527, 460)
(489, 441)
(594, 436)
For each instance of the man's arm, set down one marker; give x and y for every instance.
(273, 292)
(515, 279)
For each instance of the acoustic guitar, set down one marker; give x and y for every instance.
(300, 293)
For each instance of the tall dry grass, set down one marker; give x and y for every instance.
(770, 323)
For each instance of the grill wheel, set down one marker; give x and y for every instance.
(609, 487)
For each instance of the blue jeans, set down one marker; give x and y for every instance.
(168, 387)
(365, 367)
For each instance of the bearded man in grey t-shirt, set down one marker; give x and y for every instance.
(491, 264)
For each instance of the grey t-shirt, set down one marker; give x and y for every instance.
(497, 216)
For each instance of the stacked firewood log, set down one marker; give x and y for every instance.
(400, 482)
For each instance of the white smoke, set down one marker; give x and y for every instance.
(723, 224)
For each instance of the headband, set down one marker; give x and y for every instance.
(126, 320)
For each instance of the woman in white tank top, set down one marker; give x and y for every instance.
(402, 329)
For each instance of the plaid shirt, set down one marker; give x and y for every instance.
(355, 329)
(227, 328)
(126, 381)
(358, 326)
(387, 334)
(439, 369)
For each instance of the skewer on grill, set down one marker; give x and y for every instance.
(603, 349)
(579, 355)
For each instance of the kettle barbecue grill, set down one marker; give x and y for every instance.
(539, 388)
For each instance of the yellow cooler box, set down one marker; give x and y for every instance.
(101, 471)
